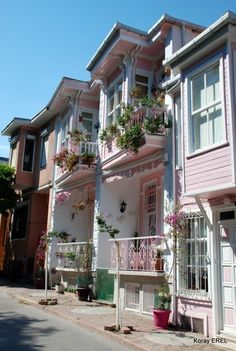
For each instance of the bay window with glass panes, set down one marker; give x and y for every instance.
(207, 127)
(193, 255)
(114, 99)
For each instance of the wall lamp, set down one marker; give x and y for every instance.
(123, 206)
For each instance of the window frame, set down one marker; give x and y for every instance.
(93, 113)
(23, 204)
(65, 128)
(29, 136)
(154, 211)
(202, 69)
(117, 104)
(183, 289)
(43, 135)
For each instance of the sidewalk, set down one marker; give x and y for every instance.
(94, 316)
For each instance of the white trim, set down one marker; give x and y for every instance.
(33, 159)
(216, 60)
(226, 186)
(232, 89)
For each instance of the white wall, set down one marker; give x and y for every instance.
(112, 194)
(77, 227)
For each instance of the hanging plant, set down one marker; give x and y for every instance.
(62, 197)
(79, 206)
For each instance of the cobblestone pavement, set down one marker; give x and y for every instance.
(94, 316)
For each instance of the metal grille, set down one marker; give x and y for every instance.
(195, 254)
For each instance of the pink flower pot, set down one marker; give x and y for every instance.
(161, 318)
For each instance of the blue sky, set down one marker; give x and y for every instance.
(43, 40)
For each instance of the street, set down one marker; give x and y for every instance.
(23, 328)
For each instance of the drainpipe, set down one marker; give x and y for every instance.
(175, 305)
(76, 107)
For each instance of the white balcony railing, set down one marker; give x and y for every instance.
(75, 256)
(88, 146)
(138, 254)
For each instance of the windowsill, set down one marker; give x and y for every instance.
(206, 150)
(194, 295)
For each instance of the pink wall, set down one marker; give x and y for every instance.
(205, 170)
(197, 309)
(45, 174)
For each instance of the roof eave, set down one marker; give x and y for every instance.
(228, 17)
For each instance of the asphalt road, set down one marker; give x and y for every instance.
(26, 328)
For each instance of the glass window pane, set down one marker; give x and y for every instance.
(212, 85)
(141, 79)
(198, 95)
(200, 131)
(111, 104)
(216, 125)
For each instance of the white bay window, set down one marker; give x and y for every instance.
(114, 99)
(206, 109)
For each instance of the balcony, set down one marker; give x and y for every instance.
(74, 257)
(76, 164)
(141, 134)
(138, 256)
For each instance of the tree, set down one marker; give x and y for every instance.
(8, 196)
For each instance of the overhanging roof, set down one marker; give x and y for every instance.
(228, 17)
(15, 123)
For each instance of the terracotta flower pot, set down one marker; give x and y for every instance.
(161, 318)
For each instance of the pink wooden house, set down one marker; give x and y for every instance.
(134, 188)
(202, 91)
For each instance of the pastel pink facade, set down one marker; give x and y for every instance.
(189, 161)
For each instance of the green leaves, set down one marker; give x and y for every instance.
(106, 228)
(8, 196)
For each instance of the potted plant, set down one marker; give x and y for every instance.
(136, 92)
(59, 288)
(66, 160)
(132, 138)
(159, 261)
(161, 311)
(85, 279)
(109, 133)
(88, 157)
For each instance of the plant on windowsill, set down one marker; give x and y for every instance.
(88, 158)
